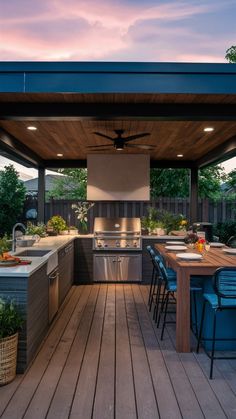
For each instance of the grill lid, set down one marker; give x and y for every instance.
(117, 225)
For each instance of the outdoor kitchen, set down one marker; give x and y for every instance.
(92, 276)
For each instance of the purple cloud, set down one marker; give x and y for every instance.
(108, 30)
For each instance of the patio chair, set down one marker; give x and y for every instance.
(155, 273)
(170, 288)
(231, 242)
(223, 298)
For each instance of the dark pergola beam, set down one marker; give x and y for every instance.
(165, 164)
(117, 111)
(221, 153)
(193, 193)
(41, 194)
(13, 147)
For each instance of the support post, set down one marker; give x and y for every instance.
(41, 194)
(193, 195)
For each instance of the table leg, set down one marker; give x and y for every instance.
(183, 311)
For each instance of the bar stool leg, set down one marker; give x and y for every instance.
(164, 321)
(213, 344)
(153, 290)
(201, 326)
(162, 305)
(151, 286)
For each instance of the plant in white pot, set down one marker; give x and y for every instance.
(10, 323)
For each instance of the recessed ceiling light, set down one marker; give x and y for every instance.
(32, 128)
(208, 129)
(59, 155)
(180, 155)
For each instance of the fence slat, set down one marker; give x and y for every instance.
(208, 211)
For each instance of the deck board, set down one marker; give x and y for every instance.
(103, 358)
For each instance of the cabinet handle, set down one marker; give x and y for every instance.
(119, 260)
(114, 260)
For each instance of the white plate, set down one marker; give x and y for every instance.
(189, 256)
(230, 251)
(176, 248)
(176, 242)
(217, 244)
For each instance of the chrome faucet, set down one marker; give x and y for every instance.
(14, 235)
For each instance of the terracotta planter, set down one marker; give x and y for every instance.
(8, 358)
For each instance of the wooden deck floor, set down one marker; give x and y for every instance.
(103, 359)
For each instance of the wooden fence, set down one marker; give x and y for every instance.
(208, 211)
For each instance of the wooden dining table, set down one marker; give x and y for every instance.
(211, 260)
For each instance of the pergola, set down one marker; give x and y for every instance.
(69, 101)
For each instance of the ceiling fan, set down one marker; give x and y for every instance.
(120, 142)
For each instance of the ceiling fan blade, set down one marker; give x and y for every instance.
(99, 149)
(134, 137)
(103, 135)
(98, 146)
(143, 146)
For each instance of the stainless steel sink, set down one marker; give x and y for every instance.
(33, 252)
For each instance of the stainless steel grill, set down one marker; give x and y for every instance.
(117, 234)
(117, 249)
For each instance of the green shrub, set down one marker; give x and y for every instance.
(224, 230)
(39, 228)
(12, 197)
(10, 318)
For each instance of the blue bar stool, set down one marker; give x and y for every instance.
(155, 274)
(170, 288)
(223, 298)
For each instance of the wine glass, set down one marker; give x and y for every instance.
(207, 246)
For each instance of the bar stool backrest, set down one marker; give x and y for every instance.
(161, 267)
(224, 283)
(232, 242)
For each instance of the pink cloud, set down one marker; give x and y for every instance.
(88, 30)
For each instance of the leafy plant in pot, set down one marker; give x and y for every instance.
(10, 323)
(56, 224)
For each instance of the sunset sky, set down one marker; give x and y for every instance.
(121, 30)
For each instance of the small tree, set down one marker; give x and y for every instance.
(12, 196)
(71, 186)
(231, 54)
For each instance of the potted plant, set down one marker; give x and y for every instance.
(57, 224)
(10, 323)
(5, 244)
(38, 229)
(81, 209)
(72, 230)
(152, 222)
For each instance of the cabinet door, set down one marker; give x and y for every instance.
(129, 268)
(105, 268)
(83, 261)
(66, 268)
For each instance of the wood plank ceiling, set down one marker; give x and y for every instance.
(71, 138)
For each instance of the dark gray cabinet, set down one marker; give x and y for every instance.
(31, 296)
(83, 260)
(66, 270)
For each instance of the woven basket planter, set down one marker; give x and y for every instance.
(8, 357)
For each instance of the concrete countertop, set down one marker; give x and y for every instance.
(52, 243)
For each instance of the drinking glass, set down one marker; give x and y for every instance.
(207, 246)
